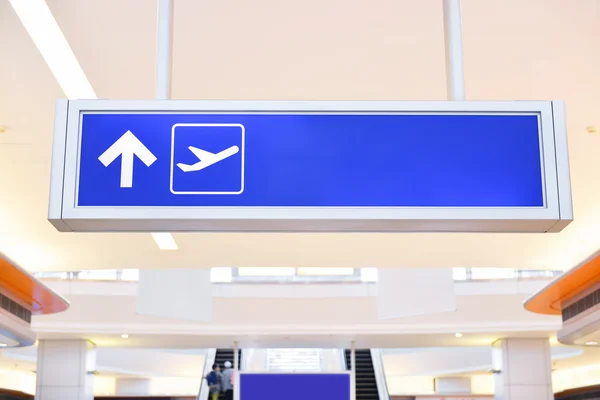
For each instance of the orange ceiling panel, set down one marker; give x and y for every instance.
(550, 299)
(21, 285)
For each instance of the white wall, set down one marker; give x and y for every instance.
(437, 361)
(254, 360)
(174, 386)
(124, 361)
(482, 384)
(459, 385)
(132, 386)
(448, 361)
(23, 381)
(563, 379)
(332, 360)
(424, 385)
(104, 385)
(150, 362)
(399, 385)
(315, 309)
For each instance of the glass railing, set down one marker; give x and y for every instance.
(302, 275)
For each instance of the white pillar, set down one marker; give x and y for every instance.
(63, 368)
(132, 387)
(524, 369)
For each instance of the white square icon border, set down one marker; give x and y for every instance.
(242, 150)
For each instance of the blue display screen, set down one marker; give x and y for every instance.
(295, 386)
(312, 160)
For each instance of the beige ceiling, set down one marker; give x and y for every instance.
(314, 49)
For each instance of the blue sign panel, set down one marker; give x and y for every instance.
(295, 386)
(310, 160)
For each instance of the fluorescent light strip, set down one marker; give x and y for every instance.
(165, 241)
(50, 41)
(54, 47)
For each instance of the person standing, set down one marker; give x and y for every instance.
(215, 382)
(228, 377)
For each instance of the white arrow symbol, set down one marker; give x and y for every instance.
(127, 146)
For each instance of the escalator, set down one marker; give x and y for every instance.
(221, 357)
(224, 355)
(366, 381)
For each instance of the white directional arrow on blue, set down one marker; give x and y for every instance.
(127, 146)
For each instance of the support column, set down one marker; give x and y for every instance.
(63, 368)
(455, 77)
(164, 49)
(524, 369)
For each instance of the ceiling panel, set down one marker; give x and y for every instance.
(329, 49)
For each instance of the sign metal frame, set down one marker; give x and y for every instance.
(552, 217)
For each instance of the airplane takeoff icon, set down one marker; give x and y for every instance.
(207, 158)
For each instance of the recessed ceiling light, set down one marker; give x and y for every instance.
(165, 241)
(125, 336)
(458, 334)
(591, 343)
(52, 44)
(47, 36)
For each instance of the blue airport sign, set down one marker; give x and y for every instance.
(312, 166)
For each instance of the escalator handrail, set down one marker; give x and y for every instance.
(243, 360)
(345, 365)
(379, 369)
(211, 354)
